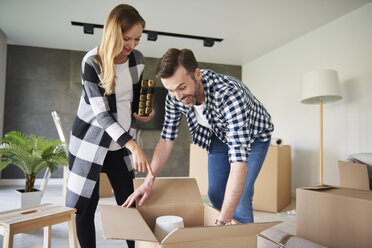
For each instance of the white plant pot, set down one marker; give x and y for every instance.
(29, 198)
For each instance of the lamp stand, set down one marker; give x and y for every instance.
(321, 86)
(321, 145)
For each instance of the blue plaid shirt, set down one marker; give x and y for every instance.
(236, 117)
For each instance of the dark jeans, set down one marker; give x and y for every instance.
(121, 181)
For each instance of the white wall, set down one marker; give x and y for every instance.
(3, 48)
(275, 78)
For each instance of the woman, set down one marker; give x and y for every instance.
(103, 130)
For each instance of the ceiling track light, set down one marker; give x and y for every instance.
(207, 41)
(88, 27)
(151, 34)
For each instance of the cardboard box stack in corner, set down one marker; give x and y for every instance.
(337, 216)
(198, 167)
(105, 189)
(273, 185)
(179, 197)
(272, 189)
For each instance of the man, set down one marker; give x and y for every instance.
(224, 118)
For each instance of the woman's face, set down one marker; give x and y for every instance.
(132, 38)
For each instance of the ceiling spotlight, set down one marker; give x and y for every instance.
(152, 35)
(207, 42)
(88, 28)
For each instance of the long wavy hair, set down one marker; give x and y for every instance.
(121, 19)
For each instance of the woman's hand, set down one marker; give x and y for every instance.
(140, 160)
(144, 118)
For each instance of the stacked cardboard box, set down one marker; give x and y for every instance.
(273, 185)
(337, 216)
(198, 168)
(179, 197)
(353, 175)
(105, 189)
(272, 189)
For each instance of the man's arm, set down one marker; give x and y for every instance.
(161, 154)
(234, 189)
(235, 108)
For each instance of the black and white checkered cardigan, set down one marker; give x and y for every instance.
(94, 128)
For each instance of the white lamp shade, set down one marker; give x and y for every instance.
(321, 85)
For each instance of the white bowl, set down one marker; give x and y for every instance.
(166, 224)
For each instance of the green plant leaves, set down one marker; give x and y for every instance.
(31, 153)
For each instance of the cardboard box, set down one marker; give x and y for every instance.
(105, 189)
(198, 167)
(334, 217)
(273, 238)
(179, 197)
(272, 189)
(353, 175)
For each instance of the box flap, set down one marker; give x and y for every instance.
(279, 245)
(124, 223)
(353, 175)
(216, 232)
(322, 187)
(168, 191)
(341, 192)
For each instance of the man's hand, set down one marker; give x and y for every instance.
(141, 193)
(234, 189)
(222, 223)
(144, 118)
(160, 156)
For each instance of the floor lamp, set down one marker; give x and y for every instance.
(318, 87)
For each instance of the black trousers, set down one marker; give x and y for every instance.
(121, 181)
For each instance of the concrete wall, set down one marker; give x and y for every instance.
(40, 80)
(276, 79)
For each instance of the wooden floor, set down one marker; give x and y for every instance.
(53, 194)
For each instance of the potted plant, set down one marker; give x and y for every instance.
(31, 154)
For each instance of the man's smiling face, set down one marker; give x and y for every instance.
(184, 86)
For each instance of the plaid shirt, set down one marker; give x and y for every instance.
(236, 117)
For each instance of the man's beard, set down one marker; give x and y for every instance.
(196, 94)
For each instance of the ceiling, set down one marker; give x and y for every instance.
(250, 28)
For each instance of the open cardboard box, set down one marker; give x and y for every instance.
(353, 175)
(337, 216)
(179, 197)
(334, 217)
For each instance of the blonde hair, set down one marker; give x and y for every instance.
(121, 19)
